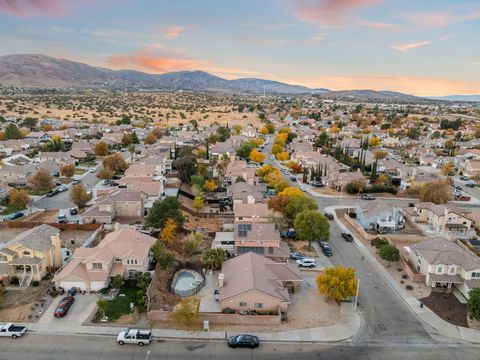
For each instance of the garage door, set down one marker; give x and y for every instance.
(67, 285)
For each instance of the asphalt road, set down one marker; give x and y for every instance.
(63, 347)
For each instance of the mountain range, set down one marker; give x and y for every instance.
(41, 71)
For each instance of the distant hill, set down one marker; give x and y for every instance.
(41, 71)
(456, 98)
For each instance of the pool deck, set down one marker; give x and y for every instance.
(207, 299)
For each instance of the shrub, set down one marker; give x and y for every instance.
(378, 242)
(53, 293)
(35, 283)
(382, 189)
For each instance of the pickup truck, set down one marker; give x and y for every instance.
(134, 336)
(12, 330)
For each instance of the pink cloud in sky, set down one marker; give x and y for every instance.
(380, 25)
(172, 32)
(329, 12)
(410, 46)
(441, 18)
(33, 7)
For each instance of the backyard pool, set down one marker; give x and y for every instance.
(186, 283)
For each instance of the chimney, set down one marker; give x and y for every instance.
(221, 278)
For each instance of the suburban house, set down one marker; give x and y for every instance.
(445, 265)
(471, 168)
(31, 254)
(252, 282)
(444, 220)
(15, 174)
(238, 169)
(379, 216)
(151, 190)
(137, 170)
(120, 205)
(242, 192)
(123, 252)
(260, 238)
(221, 148)
(257, 212)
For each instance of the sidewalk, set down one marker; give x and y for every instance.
(426, 315)
(347, 326)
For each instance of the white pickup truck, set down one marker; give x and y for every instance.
(135, 336)
(12, 330)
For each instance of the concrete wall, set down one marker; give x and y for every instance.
(412, 273)
(221, 319)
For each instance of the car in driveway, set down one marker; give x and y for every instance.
(289, 234)
(464, 178)
(16, 215)
(76, 182)
(470, 185)
(306, 262)
(63, 306)
(348, 237)
(297, 256)
(368, 197)
(92, 170)
(62, 188)
(53, 192)
(244, 340)
(73, 211)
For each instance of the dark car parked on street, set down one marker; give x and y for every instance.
(296, 256)
(247, 341)
(347, 237)
(328, 216)
(53, 193)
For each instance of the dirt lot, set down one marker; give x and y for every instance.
(79, 237)
(301, 246)
(47, 216)
(447, 306)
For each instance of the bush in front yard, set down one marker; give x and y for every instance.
(35, 283)
(473, 304)
(378, 242)
(14, 280)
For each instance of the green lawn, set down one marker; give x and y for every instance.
(35, 192)
(89, 163)
(11, 209)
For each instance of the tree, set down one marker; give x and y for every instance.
(297, 204)
(186, 313)
(312, 226)
(191, 244)
(382, 178)
(168, 232)
(41, 181)
(67, 170)
(237, 129)
(389, 253)
(102, 305)
(374, 141)
(197, 180)
(18, 198)
(321, 140)
(198, 203)
(278, 203)
(101, 148)
(380, 154)
(115, 163)
(473, 304)
(127, 139)
(292, 191)
(117, 281)
(244, 150)
(150, 139)
(283, 156)
(276, 149)
(213, 258)
(437, 191)
(162, 210)
(295, 167)
(105, 174)
(12, 132)
(186, 167)
(30, 123)
(79, 195)
(338, 283)
(257, 156)
(164, 258)
(448, 168)
(210, 186)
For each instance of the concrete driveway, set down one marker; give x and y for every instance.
(79, 312)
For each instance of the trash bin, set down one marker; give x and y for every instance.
(421, 304)
(206, 325)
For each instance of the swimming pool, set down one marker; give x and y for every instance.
(186, 282)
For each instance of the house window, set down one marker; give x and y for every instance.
(439, 269)
(117, 260)
(132, 261)
(97, 266)
(475, 274)
(26, 253)
(451, 271)
(3, 258)
(258, 305)
(243, 304)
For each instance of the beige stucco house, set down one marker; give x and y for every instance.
(31, 254)
(123, 252)
(255, 283)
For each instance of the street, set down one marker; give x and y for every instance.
(61, 347)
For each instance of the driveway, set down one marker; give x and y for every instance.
(207, 299)
(79, 312)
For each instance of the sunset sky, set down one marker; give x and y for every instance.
(421, 47)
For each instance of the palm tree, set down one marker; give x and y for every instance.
(213, 258)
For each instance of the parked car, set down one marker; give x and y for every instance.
(329, 216)
(470, 185)
(271, 192)
(325, 246)
(306, 262)
(12, 330)
(62, 219)
(316, 183)
(16, 215)
(348, 237)
(62, 188)
(368, 197)
(293, 178)
(92, 170)
(63, 306)
(303, 188)
(411, 204)
(272, 157)
(297, 256)
(464, 178)
(76, 181)
(53, 192)
(290, 233)
(248, 341)
(73, 211)
(135, 336)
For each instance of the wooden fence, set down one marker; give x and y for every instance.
(31, 224)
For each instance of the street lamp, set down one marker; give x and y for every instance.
(358, 290)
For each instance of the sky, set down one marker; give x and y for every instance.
(420, 47)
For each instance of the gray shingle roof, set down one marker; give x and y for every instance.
(37, 238)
